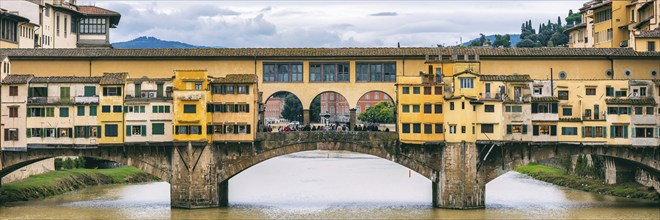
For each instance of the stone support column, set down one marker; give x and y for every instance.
(306, 117)
(352, 119)
(458, 185)
(617, 172)
(194, 180)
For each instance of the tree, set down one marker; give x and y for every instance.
(383, 112)
(526, 43)
(502, 40)
(292, 110)
(482, 39)
(475, 43)
(315, 110)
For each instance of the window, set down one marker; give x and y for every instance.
(92, 110)
(415, 108)
(609, 91)
(544, 130)
(134, 109)
(428, 129)
(462, 105)
(619, 110)
(438, 108)
(13, 111)
(57, 24)
(516, 129)
(438, 128)
(189, 108)
(40, 112)
(329, 72)
(90, 91)
(538, 90)
(487, 128)
(621, 94)
(111, 130)
(562, 95)
(198, 86)
(514, 108)
(164, 109)
(642, 91)
(427, 90)
(8, 30)
(463, 129)
(405, 90)
(116, 108)
(569, 131)
(243, 89)
(11, 134)
(405, 128)
(81, 110)
(567, 111)
(591, 91)
(651, 46)
(93, 25)
(417, 128)
(489, 108)
(64, 132)
(452, 129)
(451, 106)
(639, 111)
(643, 133)
(375, 72)
(619, 131)
(195, 129)
(405, 108)
(438, 90)
(181, 129)
(66, 23)
(467, 83)
(593, 132)
(38, 92)
(649, 110)
(544, 108)
(64, 112)
(415, 90)
(283, 72)
(157, 128)
(13, 90)
(111, 91)
(427, 109)
(136, 130)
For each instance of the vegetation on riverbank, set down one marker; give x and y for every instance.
(61, 181)
(560, 177)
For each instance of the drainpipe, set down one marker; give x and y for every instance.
(552, 84)
(90, 65)
(609, 57)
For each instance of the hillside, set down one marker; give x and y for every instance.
(152, 42)
(514, 39)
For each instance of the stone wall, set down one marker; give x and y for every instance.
(40, 167)
(647, 179)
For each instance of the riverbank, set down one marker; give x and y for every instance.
(62, 181)
(561, 178)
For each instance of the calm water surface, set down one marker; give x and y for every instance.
(335, 185)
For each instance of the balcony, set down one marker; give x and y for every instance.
(50, 100)
(86, 100)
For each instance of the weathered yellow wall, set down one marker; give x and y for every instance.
(182, 88)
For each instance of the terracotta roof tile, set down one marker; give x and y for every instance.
(113, 79)
(545, 99)
(327, 52)
(17, 79)
(649, 34)
(576, 119)
(66, 79)
(93, 10)
(237, 78)
(626, 101)
(506, 78)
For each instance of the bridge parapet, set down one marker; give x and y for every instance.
(329, 136)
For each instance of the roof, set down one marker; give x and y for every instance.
(113, 79)
(600, 4)
(12, 16)
(17, 79)
(254, 53)
(649, 33)
(90, 10)
(3, 57)
(640, 23)
(66, 79)
(237, 78)
(461, 96)
(636, 101)
(506, 78)
(147, 79)
(575, 27)
(545, 99)
(656, 81)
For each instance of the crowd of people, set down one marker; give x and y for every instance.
(327, 127)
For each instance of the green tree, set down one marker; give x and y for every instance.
(383, 112)
(526, 43)
(502, 40)
(292, 110)
(482, 39)
(475, 43)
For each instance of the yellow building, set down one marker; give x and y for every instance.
(233, 108)
(111, 102)
(190, 94)
(420, 108)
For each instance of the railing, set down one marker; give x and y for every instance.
(49, 100)
(85, 99)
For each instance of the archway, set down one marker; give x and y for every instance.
(283, 108)
(384, 113)
(329, 108)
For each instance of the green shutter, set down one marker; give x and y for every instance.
(582, 131)
(248, 128)
(28, 132)
(524, 129)
(144, 130)
(632, 131)
(605, 131)
(630, 110)
(86, 131)
(553, 130)
(126, 109)
(509, 129)
(154, 109)
(611, 131)
(535, 130)
(657, 132)
(81, 110)
(128, 130)
(76, 129)
(593, 131)
(625, 131)
(92, 110)
(98, 133)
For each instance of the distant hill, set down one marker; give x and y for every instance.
(514, 39)
(152, 42)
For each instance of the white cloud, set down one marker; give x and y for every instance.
(327, 23)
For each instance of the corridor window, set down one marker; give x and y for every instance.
(439, 128)
(643, 132)
(283, 72)
(329, 72)
(428, 109)
(467, 83)
(567, 111)
(93, 25)
(375, 72)
(487, 128)
(111, 91)
(438, 108)
(405, 90)
(415, 108)
(405, 108)
(428, 129)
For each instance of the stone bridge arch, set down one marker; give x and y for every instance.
(152, 160)
(380, 144)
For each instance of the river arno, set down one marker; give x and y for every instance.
(334, 185)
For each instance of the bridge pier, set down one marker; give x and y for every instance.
(458, 185)
(617, 171)
(352, 119)
(306, 117)
(194, 181)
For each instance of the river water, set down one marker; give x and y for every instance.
(334, 185)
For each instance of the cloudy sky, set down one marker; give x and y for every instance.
(296, 23)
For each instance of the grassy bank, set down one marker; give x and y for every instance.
(560, 177)
(61, 181)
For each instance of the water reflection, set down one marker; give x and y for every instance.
(334, 185)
